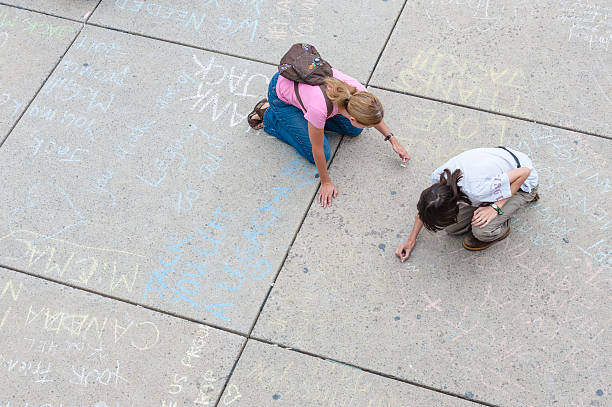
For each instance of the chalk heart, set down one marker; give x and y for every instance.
(231, 395)
(48, 212)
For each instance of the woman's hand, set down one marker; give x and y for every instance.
(483, 216)
(401, 151)
(404, 249)
(326, 193)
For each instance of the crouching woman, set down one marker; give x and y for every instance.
(476, 192)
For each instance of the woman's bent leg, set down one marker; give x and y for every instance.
(342, 125)
(287, 123)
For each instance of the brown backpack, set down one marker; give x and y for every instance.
(303, 63)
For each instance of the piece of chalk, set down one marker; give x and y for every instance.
(403, 165)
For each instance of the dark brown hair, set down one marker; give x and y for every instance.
(438, 204)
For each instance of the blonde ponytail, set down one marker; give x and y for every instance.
(363, 106)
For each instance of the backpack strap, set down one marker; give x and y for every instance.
(297, 93)
(518, 163)
(328, 102)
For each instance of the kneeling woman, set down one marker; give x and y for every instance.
(301, 123)
(476, 192)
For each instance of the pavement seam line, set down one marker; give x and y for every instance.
(479, 109)
(231, 372)
(248, 336)
(374, 372)
(51, 72)
(91, 13)
(126, 301)
(42, 12)
(399, 15)
(367, 84)
(180, 43)
(227, 330)
(280, 268)
(299, 228)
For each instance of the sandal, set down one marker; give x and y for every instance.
(253, 122)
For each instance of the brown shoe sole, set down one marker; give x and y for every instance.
(477, 249)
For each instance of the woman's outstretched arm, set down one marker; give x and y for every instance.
(397, 147)
(327, 191)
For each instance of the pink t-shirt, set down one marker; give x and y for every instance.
(312, 97)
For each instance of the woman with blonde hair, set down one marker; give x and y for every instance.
(342, 105)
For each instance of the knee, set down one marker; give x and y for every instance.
(490, 232)
(353, 131)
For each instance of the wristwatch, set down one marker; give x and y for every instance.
(497, 209)
(388, 136)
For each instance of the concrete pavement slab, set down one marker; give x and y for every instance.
(268, 375)
(523, 323)
(264, 29)
(134, 173)
(546, 60)
(78, 10)
(64, 347)
(31, 44)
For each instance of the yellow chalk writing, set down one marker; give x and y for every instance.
(10, 286)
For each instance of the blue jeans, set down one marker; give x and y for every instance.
(287, 123)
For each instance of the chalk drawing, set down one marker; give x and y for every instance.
(37, 371)
(114, 78)
(48, 210)
(599, 94)
(47, 29)
(591, 24)
(214, 80)
(94, 46)
(15, 105)
(224, 21)
(16, 233)
(480, 15)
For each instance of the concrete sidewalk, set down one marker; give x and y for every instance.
(156, 251)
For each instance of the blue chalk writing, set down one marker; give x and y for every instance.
(186, 204)
(194, 19)
(178, 257)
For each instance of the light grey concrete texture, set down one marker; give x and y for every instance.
(268, 375)
(63, 347)
(31, 45)
(524, 323)
(75, 9)
(146, 182)
(347, 36)
(546, 60)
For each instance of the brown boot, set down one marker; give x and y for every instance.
(473, 244)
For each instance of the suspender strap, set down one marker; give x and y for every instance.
(328, 102)
(518, 163)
